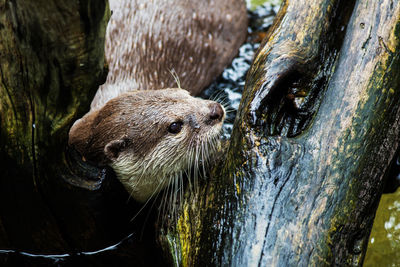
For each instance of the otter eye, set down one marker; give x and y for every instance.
(175, 127)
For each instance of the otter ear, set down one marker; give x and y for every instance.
(114, 148)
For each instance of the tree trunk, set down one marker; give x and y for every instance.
(316, 130)
(51, 64)
(52, 61)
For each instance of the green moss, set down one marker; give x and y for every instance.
(255, 3)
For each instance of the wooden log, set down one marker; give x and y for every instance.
(52, 62)
(316, 130)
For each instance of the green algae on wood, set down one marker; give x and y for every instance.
(310, 172)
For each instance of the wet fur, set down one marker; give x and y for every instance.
(130, 133)
(127, 128)
(145, 40)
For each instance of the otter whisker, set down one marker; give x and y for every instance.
(225, 102)
(194, 163)
(172, 200)
(176, 78)
(181, 186)
(148, 200)
(162, 207)
(175, 203)
(203, 159)
(216, 97)
(197, 161)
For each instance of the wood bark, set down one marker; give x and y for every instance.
(52, 61)
(51, 64)
(316, 130)
(317, 127)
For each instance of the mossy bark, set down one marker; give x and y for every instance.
(317, 127)
(316, 131)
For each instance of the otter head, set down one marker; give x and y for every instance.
(149, 137)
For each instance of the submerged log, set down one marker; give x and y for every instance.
(316, 130)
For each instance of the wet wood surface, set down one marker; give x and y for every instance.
(51, 64)
(316, 131)
(47, 59)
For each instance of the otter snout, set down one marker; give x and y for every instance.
(216, 114)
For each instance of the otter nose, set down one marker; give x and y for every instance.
(216, 112)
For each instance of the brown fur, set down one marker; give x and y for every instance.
(136, 122)
(146, 39)
(131, 134)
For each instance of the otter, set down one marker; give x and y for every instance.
(149, 136)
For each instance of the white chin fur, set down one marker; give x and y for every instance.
(145, 178)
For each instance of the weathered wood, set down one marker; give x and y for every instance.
(51, 64)
(316, 130)
(317, 127)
